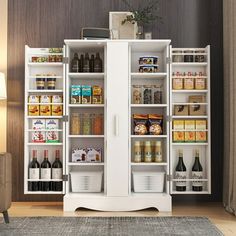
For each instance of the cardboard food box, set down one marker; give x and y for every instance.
(79, 155)
(97, 95)
(75, 94)
(57, 110)
(52, 124)
(33, 99)
(38, 124)
(45, 110)
(33, 110)
(201, 124)
(197, 110)
(189, 125)
(201, 136)
(181, 110)
(177, 83)
(38, 137)
(52, 136)
(189, 136)
(57, 99)
(45, 99)
(94, 155)
(178, 136)
(86, 94)
(178, 124)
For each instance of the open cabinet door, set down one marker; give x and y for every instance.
(117, 119)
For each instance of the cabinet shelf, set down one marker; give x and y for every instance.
(45, 76)
(158, 75)
(86, 163)
(45, 91)
(189, 103)
(148, 105)
(44, 130)
(148, 164)
(148, 136)
(86, 136)
(44, 144)
(86, 75)
(190, 91)
(189, 144)
(189, 64)
(190, 180)
(50, 103)
(48, 64)
(86, 105)
(44, 117)
(42, 193)
(189, 117)
(44, 180)
(190, 192)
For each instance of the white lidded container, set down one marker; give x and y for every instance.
(152, 182)
(86, 181)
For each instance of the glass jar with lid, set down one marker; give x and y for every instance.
(147, 94)
(86, 124)
(157, 94)
(177, 56)
(137, 94)
(188, 55)
(200, 57)
(75, 124)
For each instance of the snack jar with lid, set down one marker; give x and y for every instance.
(86, 124)
(157, 94)
(147, 94)
(177, 56)
(40, 82)
(137, 94)
(188, 55)
(97, 124)
(75, 125)
(199, 57)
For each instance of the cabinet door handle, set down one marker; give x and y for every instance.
(116, 119)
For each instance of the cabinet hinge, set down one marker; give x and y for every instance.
(65, 118)
(169, 177)
(65, 177)
(168, 60)
(65, 60)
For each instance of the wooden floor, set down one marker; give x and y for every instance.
(214, 211)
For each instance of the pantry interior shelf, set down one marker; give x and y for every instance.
(149, 164)
(38, 103)
(44, 117)
(189, 103)
(188, 180)
(41, 192)
(148, 136)
(44, 180)
(44, 130)
(86, 136)
(189, 91)
(190, 144)
(148, 105)
(159, 75)
(45, 76)
(86, 105)
(86, 75)
(45, 64)
(44, 144)
(45, 54)
(86, 163)
(190, 192)
(45, 91)
(189, 64)
(181, 130)
(189, 117)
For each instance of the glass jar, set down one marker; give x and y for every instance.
(40, 82)
(97, 124)
(86, 124)
(157, 94)
(147, 151)
(137, 94)
(179, 57)
(75, 124)
(137, 151)
(147, 94)
(200, 57)
(188, 57)
(51, 82)
(157, 152)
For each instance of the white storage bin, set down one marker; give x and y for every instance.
(148, 181)
(86, 181)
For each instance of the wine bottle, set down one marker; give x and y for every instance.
(97, 63)
(75, 63)
(57, 173)
(86, 63)
(46, 173)
(180, 173)
(34, 168)
(91, 64)
(197, 173)
(81, 63)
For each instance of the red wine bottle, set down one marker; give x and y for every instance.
(197, 173)
(34, 168)
(46, 173)
(57, 173)
(180, 173)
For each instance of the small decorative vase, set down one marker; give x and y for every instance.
(139, 34)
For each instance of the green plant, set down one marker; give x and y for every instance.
(144, 14)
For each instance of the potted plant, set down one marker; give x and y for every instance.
(143, 15)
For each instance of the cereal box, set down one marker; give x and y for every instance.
(45, 110)
(52, 124)
(38, 124)
(189, 136)
(201, 125)
(86, 94)
(57, 110)
(45, 99)
(38, 137)
(178, 136)
(181, 110)
(75, 94)
(178, 124)
(189, 125)
(57, 99)
(201, 136)
(33, 99)
(33, 110)
(79, 155)
(52, 136)
(94, 155)
(97, 95)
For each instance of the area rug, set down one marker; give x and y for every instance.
(109, 226)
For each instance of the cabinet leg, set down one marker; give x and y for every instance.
(6, 217)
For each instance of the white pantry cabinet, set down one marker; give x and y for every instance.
(120, 72)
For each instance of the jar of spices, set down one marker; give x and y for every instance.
(147, 94)
(200, 57)
(86, 124)
(147, 152)
(189, 81)
(137, 94)
(98, 124)
(200, 81)
(177, 56)
(40, 82)
(188, 56)
(157, 94)
(177, 83)
(75, 124)
(137, 151)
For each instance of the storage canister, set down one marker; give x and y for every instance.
(178, 57)
(137, 94)
(199, 57)
(188, 56)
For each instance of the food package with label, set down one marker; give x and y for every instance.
(178, 125)
(57, 99)
(155, 123)
(79, 155)
(86, 94)
(45, 99)
(140, 124)
(177, 83)
(34, 99)
(38, 124)
(148, 69)
(200, 83)
(178, 136)
(45, 110)
(201, 133)
(97, 94)
(197, 110)
(75, 94)
(52, 124)
(148, 60)
(189, 136)
(38, 137)
(188, 83)
(33, 110)
(180, 110)
(57, 110)
(52, 136)
(94, 155)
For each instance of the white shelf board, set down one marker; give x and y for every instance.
(189, 64)
(44, 130)
(44, 117)
(183, 130)
(148, 164)
(189, 117)
(86, 136)
(42, 192)
(86, 75)
(190, 180)
(50, 103)
(190, 144)
(86, 105)
(189, 91)
(44, 144)
(44, 180)
(45, 64)
(148, 136)
(45, 76)
(190, 192)
(189, 103)
(45, 53)
(45, 91)
(148, 194)
(148, 105)
(86, 164)
(157, 75)
(85, 195)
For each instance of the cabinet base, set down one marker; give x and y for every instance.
(133, 202)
